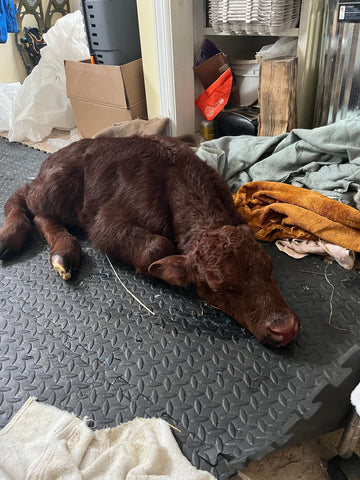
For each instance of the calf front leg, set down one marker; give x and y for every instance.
(131, 243)
(64, 248)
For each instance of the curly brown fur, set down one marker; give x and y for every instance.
(153, 203)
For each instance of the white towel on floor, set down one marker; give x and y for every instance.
(42, 442)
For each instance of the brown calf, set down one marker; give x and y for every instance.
(153, 203)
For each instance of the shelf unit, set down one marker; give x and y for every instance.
(176, 46)
(309, 35)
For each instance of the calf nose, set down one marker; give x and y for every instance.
(285, 332)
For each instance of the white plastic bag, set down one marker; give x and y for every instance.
(41, 103)
(8, 93)
(284, 47)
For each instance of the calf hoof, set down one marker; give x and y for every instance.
(61, 266)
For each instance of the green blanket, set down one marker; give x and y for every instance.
(324, 159)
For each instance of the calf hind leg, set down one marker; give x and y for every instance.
(17, 224)
(64, 248)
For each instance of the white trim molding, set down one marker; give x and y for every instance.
(173, 31)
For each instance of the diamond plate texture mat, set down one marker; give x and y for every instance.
(88, 347)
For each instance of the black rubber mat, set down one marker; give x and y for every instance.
(88, 347)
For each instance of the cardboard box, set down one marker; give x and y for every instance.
(210, 70)
(102, 95)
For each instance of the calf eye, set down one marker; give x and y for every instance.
(229, 291)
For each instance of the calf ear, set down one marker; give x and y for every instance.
(172, 269)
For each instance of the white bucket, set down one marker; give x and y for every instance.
(246, 73)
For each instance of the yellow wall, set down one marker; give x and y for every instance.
(147, 39)
(12, 68)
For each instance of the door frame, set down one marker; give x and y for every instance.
(178, 26)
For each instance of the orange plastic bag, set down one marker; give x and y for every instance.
(215, 97)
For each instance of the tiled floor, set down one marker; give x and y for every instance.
(306, 461)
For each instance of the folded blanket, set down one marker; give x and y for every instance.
(44, 443)
(324, 159)
(276, 210)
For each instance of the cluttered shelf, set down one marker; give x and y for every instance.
(248, 34)
(237, 100)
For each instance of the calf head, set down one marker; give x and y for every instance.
(234, 273)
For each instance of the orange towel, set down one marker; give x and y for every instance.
(276, 210)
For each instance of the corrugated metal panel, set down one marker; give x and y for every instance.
(338, 94)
